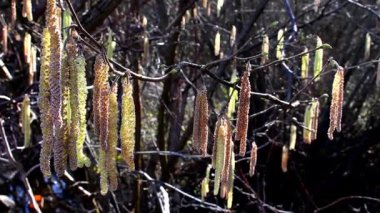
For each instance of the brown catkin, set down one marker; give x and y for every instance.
(112, 138)
(336, 103)
(101, 80)
(243, 110)
(44, 105)
(13, 12)
(200, 127)
(253, 159)
(128, 124)
(284, 159)
(4, 39)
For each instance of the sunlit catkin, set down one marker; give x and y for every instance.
(219, 154)
(243, 111)
(205, 183)
(27, 47)
(307, 125)
(227, 161)
(127, 128)
(336, 103)
(219, 5)
(293, 137)
(305, 64)
(200, 127)
(233, 35)
(284, 159)
(80, 64)
(27, 10)
(25, 118)
(253, 159)
(318, 60)
(112, 139)
(44, 106)
(217, 44)
(265, 50)
(280, 44)
(231, 181)
(103, 172)
(314, 116)
(367, 46)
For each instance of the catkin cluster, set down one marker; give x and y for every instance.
(200, 126)
(336, 103)
(243, 110)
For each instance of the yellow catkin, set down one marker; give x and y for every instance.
(231, 181)
(112, 138)
(227, 161)
(53, 24)
(62, 142)
(314, 118)
(13, 12)
(27, 10)
(127, 128)
(265, 50)
(284, 159)
(336, 103)
(243, 111)
(4, 39)
(27, 47)
(293, 137)
(318, 60)
(220, 140)
(217, 44)
(280, 44)
(44, 105)
(253, 159)
(200, 127)
(25, 117)
(205, 183)
(307, 125)
(103, 172)
(367, 46)
(80, 64)
(305, 64)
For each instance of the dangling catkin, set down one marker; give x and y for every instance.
(314, 118)
(103, 172)
(367, 46)
(284, 159)
(4, 39)
(280, 44)
(205, 183)
(219, 154)
(233, 36)
(293, 137)
(127, 128)
(217, 44)
(307, 125)
(25, 118)
(27, 10)
(112, 138)
(304, 64)
(80, 64)
(227, 161)
(13, 12)
(336, 103)
(243, 110)
(101, 79)
(253, 159)
(200, 127)
(44, 105)
(318, 60)
(265, 50)
(27, 47)
(231, 181)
